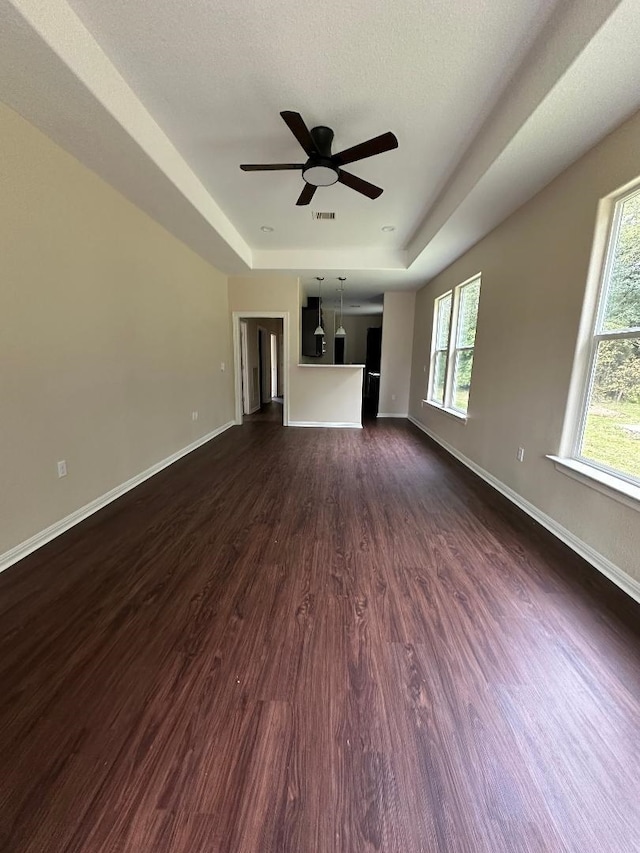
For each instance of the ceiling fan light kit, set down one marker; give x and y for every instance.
(320, 176)
(318, 171)
(322, 168)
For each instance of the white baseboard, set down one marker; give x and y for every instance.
(392, 415)
(597, 560)
(34, 542)
(328, 424)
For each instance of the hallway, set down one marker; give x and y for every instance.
(270, 413)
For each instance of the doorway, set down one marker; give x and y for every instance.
(274, 365)
(261, 365)
(371, 389)
(244, 367)
(263, 368)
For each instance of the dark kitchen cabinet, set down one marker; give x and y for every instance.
(311, 343)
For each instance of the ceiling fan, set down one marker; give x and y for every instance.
(322, 169)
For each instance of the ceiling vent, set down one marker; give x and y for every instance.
(323, 214)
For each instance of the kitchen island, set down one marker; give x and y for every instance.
(327, 395)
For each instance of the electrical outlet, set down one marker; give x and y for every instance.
(393, 396)
(520, 454)
(223, 366)
(194, 416)
(62, 468)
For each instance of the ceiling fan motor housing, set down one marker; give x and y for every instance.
(319, 170)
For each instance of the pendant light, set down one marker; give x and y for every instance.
(341, 332)
(319, 330)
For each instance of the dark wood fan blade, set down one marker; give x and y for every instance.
(296, 125)
(270, 167)
(377, 145)
(307, 194)
(360, 186)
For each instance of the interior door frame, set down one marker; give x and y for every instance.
(236, 316)
(275, 369)
(264, 364)
(244, 359)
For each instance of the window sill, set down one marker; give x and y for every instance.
(607, 484)
(451, 412)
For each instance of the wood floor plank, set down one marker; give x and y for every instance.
(316, 641)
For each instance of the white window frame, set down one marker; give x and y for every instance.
(435, 350)
(597, 475)
(452, 349)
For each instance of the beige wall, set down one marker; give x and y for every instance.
(113, 332)
(395, 362)
(320, 395)
(534, 269)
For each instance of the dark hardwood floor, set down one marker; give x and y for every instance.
(268, 412)
(316, 641)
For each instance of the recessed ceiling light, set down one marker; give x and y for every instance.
(266, 228)
(388, 228)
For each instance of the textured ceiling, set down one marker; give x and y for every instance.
(216, 75)
(489, 100)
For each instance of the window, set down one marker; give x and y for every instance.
(608, 433)
(440, 355)
(454, 330)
